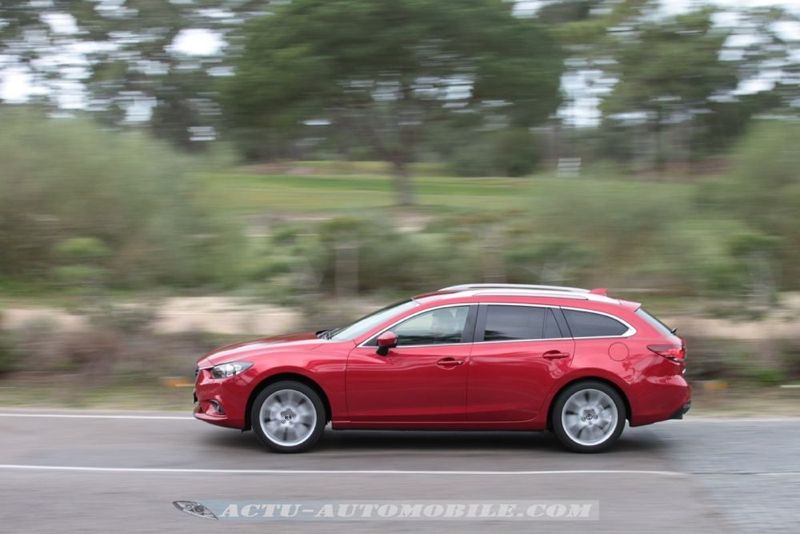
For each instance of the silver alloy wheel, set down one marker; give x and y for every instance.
(288, 417)
(589, 417)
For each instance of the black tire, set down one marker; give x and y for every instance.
(557, 417)
(316, 426)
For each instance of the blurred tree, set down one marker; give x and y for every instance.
(766, 47)
(384, 71)
(668, 70)
(119, 59)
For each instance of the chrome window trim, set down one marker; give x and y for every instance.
(628, 333)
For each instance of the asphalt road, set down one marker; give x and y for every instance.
(87, 472)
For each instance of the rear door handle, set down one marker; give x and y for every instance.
(555, 355)
(449, 362)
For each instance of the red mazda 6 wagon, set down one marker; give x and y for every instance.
(468, 357)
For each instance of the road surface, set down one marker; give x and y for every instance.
(119, 472)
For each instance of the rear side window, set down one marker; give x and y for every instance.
(655, 323)
(588, 324)
(508, 323)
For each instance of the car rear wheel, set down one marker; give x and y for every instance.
(288, 416)
(588, 416)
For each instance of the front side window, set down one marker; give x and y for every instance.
(588, 324)
(367, 323)
(508, 323)
(434, 327)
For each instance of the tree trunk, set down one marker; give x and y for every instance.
(402, 183)
(659, 143)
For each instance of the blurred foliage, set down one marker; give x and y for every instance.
(505, 152)
(668, 70)
(9, 355)
(80, 262)
(726, 238)
(390, 70)
(104, 202)
(764, 192)
(790, 355)
(117, 341)
(127, 49)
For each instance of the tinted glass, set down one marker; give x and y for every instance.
(551, 330)
(442, 325)
(587, 324)
(655, 323)
(504, 323)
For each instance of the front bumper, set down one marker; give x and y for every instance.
(220, 401)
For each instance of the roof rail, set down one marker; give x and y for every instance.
(464, 287)
(533, 293)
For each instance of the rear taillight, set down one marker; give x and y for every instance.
(670, 352)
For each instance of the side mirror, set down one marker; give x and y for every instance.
(386, 341)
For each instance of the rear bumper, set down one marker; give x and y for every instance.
(659, 399)
(682, 411)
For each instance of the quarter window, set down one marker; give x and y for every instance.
(507, 323)
(588, 324)
(438, 326)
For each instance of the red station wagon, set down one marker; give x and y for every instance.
(468, 357)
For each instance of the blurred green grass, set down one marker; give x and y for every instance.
(243, 192)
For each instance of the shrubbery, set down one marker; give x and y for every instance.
(506, 152)
(80, 205)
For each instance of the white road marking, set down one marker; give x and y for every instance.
(211, 471)
(735, 419)
(180, 470)
(98, 416)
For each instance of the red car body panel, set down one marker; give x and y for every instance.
(480, 385)
(407, 385)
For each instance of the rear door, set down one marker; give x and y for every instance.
(519, 351)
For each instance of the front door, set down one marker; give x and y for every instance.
(423, 379)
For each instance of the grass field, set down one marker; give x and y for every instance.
(249, 192)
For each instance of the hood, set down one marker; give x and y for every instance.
(229, 353)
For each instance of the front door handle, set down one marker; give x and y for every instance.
(555, 355)
(449, 363)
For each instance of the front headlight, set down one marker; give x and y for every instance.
(224, 370)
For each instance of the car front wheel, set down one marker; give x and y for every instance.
(588, 416)
(288, 416)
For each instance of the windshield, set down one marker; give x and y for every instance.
(368, 322)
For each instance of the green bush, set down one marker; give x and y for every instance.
(81, 250)
(515, 152)
(508, 152)
(764, 192)
(9, 357)
(100, 198)
(552, 261)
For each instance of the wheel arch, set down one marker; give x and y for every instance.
(297, 377)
